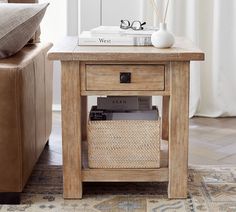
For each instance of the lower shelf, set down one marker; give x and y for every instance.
(126, 175)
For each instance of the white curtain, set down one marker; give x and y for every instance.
(211, 24)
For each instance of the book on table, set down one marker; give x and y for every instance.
(108, 30)
(114, 36)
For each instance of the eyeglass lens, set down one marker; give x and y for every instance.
(136, 25)
(125, 24)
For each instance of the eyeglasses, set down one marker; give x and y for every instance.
(135, 25)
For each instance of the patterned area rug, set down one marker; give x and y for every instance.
(210, 189)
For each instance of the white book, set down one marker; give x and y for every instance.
(106, 30)
(87, 39)
(148, 30)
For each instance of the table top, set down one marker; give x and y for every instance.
(68, 49)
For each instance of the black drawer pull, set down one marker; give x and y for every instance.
(125, 77)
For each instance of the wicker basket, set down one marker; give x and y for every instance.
(124, 144)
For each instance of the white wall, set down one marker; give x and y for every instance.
(93, 13)
(113, 11)
(53, 29)
(61, 19)
(89, 14)
(72, 17)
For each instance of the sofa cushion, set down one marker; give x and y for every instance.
(36, 36)
(18, 23)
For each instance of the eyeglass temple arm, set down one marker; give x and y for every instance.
(143, 23)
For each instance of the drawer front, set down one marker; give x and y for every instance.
(125, 77)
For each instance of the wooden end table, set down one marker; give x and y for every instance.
(95, 70)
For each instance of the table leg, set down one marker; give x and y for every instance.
(178, 131)
(84, 116)
(71, 130)
(165, 117)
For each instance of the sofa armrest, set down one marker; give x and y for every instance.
(24, 57)
(25, 113)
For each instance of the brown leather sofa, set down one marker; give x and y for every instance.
(25, 115)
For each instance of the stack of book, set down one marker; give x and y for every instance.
(124, 108)
(114, 36)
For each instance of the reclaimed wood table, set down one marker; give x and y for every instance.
(96, 70)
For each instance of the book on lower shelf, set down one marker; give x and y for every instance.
(124, 103)
(105, 115)
(124, 108)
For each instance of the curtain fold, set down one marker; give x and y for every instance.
(211, 25)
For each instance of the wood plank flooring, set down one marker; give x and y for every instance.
(211, 142)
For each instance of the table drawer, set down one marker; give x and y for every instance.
(125, 77)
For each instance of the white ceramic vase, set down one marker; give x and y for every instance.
(163, 38)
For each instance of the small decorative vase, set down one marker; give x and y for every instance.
(163, 38)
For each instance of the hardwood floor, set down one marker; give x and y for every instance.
(211, 142)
